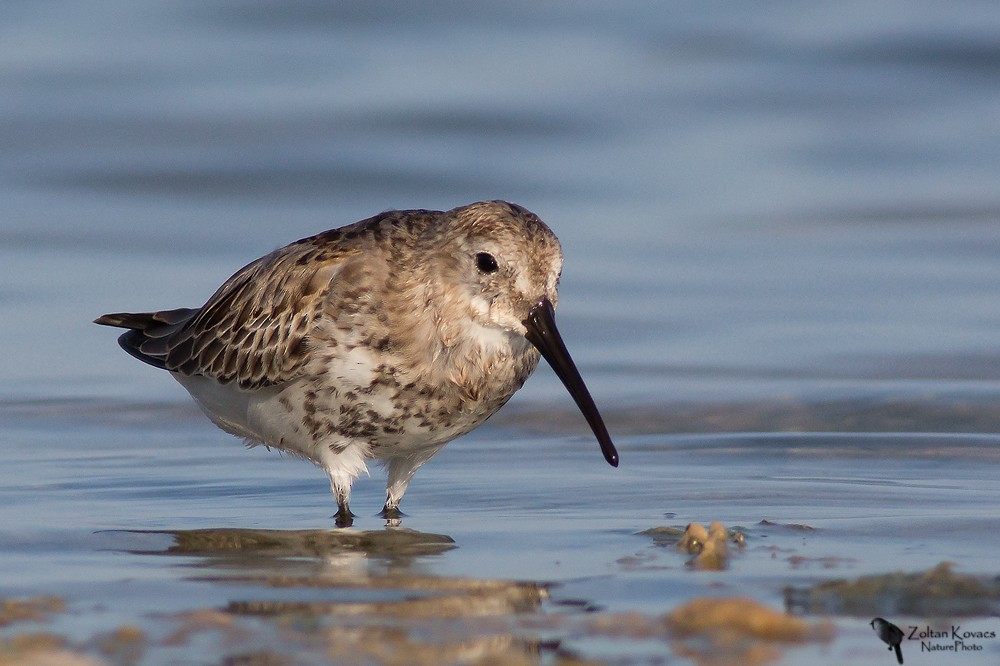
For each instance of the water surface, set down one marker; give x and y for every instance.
(781, 231)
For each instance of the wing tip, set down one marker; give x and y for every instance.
(131, 341)
(116, 319)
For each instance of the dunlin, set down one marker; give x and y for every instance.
(382, 340)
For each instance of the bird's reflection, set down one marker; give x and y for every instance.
(367, 594)
(394, 549)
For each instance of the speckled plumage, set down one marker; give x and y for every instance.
(382, 340)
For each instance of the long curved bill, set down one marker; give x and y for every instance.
(543, 334)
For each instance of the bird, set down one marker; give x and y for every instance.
(378, 341)
(890, 634)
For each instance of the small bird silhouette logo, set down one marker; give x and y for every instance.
(890, 634)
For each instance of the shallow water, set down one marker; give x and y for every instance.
(781, 232)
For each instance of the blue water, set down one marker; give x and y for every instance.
(776, 219)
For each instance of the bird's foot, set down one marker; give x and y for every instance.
(343, 517)
(393, 516)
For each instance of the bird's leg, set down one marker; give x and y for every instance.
(393, 516)
(391, 509)
(400, 472)
(341, 489)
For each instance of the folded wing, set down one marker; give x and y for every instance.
(253, 330)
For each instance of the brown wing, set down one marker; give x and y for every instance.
(251, 330)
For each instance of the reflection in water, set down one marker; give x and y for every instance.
(413, 619)
(392, 543)
(737, 630)
(315, 596)
(934, 593)
(362, 596)
(343, 557)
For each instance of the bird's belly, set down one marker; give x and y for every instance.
(386, 423)
(354, 403)
(225, 404)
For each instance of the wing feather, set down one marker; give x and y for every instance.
(254, 330)
(251, 330)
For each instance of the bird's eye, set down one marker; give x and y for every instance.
(486, 263)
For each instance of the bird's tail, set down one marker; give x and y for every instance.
(899, 653)
(148, 332)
